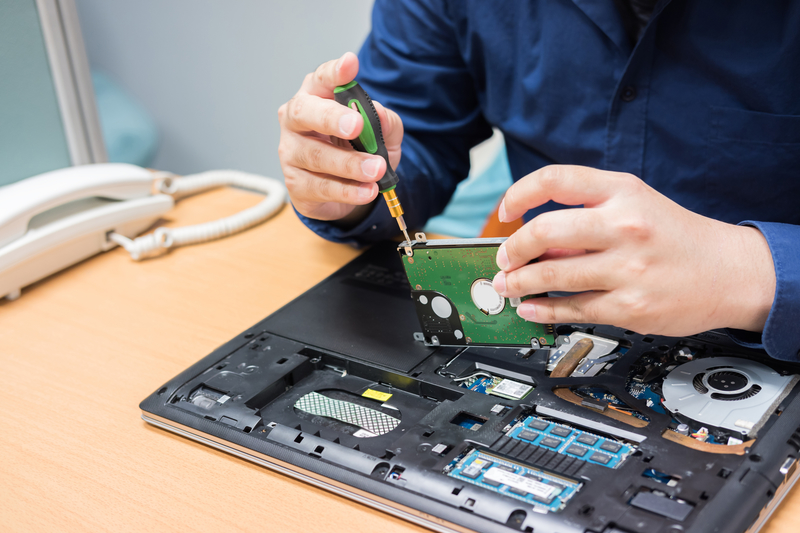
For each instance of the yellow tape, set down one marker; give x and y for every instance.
(376, 395)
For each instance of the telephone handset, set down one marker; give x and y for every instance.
(54, 220)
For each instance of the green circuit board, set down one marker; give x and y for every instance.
(453, 269)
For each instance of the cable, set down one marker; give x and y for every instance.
(178, 187)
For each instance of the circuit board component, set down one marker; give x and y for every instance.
(573, 442)
(545, 491)
(451, 283)
(497, 386)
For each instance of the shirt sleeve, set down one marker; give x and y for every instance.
(411, 63)
(781, 335)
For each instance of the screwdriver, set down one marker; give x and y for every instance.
(370, 140)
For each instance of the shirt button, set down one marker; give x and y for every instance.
(628, 93)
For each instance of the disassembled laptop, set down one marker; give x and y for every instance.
(487, 422)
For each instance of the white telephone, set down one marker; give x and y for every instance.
(59, 218)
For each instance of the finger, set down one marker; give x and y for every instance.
(391, 124)
(319, 156)
(584, 308)
(572, 274)
(582, 229)
(330, 75)
(313, 187)
(306, 113)
(565, 184)
(555, 253)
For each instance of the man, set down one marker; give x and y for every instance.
(655, 149)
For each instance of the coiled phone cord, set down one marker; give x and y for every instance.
(180, 186)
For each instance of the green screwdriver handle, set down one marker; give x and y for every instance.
(371, 138)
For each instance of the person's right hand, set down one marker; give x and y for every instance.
(325, 177)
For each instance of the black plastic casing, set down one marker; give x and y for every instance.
(271, 364)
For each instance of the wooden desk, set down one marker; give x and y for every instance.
(80, 350)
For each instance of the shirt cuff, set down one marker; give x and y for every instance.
(379, 225)
(781, 335)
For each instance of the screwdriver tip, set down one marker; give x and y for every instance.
(402, 223)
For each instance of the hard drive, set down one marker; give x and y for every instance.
(451, 285)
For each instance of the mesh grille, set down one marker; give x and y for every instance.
(357, 415)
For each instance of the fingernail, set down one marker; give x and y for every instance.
(501, 212)
(365, 191)
(339, 63)
(527, 311)
(370, 167)
(499, 282)
(502, 258)
(347, 124)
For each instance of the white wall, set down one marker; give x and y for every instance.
(214, 72)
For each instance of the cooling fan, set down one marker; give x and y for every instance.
(725, 392)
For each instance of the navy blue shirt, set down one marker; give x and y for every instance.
(705, 108)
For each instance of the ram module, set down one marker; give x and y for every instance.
(545, 491)
(566, 440)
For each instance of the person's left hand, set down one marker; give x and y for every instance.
(639, 260)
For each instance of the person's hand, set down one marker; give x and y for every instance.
(637, 259)
(325, 177)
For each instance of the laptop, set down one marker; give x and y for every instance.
(361, 387)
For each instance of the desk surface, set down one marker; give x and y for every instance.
(81, 349)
